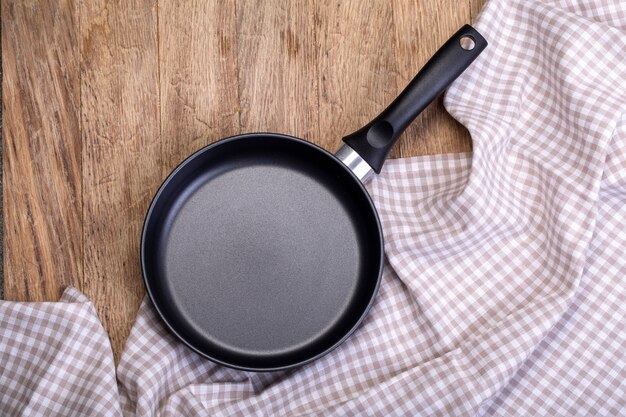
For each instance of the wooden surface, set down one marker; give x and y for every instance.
(102, 99)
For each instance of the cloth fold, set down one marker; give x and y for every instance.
(503, 291)
(55, 359)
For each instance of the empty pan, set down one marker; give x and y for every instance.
(263, 251)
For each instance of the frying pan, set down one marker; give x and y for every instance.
(263, 251)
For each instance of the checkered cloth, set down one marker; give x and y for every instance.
(504, 289)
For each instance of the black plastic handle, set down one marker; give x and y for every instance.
(374, 141)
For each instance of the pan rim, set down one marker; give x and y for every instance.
(208, 148)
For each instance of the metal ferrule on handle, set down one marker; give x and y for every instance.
(361, 169)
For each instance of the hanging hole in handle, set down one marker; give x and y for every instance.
(467, 42)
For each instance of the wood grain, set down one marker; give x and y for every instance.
(357, 67)
(121, 151)
(103, 98)
(42, 199)
(198, 76)
(277, 67)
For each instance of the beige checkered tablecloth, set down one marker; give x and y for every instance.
(504, 291)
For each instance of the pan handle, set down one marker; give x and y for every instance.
(371, 144)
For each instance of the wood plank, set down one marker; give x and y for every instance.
(420, 29)
(120, 121)
(198, 67)
(277, 68)
(357, 67)
(41, 149)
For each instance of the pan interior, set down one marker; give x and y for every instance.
(266, 252)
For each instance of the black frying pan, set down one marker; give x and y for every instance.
(263, 251)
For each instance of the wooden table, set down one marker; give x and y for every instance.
(102, 99)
